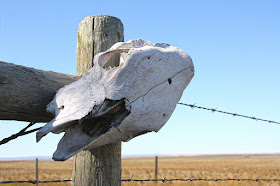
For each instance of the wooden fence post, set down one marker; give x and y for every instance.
(99, 166)
(36, 171)
(156, 167)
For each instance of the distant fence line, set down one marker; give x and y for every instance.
(35, 181)
(200, 179)
(164, 179)
(156, 180)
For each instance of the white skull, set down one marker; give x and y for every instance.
(116, 104)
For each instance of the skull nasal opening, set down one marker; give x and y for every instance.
(109, 115)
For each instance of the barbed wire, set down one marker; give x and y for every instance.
(20, 133)
(197, 179)
(35, 181)
(24, 132)
(229, 113)
(159, 180)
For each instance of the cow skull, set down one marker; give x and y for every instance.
(119, 103)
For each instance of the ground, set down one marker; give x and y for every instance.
(222, 166)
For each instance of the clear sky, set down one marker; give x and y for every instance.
(234, 46)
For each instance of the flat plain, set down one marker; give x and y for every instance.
(206, 167)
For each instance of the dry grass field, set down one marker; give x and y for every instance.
(230, 166)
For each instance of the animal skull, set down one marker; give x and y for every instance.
(119, 103)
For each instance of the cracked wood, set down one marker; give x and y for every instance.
(25, 92)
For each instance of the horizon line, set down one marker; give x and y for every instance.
(47, 158)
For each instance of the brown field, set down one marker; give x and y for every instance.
(228, 166)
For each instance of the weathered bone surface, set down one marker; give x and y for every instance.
(112, 104)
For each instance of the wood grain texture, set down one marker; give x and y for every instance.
(99, 166)
(25, 92)
(96, 34)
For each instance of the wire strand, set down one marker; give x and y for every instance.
(24, 132)
(229, 113)
(20, 133)
(159, 180)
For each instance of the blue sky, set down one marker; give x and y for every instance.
(234, 46)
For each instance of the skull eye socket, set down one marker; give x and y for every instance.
(61, 108)
(113, 58)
